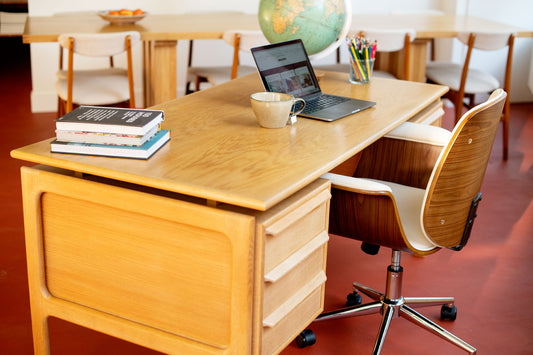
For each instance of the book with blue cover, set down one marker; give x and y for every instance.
(144, 151)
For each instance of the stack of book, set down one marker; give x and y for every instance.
(109, 131)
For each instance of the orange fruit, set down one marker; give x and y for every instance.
(113, 13)
(125, 12)
(138, 12)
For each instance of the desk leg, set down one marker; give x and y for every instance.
(160, 67)
(417, 68)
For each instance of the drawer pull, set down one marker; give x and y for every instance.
(282, 311)
(283, 223)
(282, 269)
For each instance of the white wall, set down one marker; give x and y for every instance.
(45, 55)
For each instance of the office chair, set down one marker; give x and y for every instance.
(389, 41)
(416, 190)
(241, 41)
(102, 86)
(466, 82)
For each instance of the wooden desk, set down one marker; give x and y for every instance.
(160, 33)
(216, 244)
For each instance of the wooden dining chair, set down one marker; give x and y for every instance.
(465, 82)
(416, 191)
(241, 41)
(101, 86)
(391, 41)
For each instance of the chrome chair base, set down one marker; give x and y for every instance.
(392, 305)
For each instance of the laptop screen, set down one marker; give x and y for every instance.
(285, 67)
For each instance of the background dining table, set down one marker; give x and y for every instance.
(160, 33)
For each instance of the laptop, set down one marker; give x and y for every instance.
(285, 67)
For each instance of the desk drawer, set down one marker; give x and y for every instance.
(281, 332)
(295, 228)
(295, 273)
(295, 244)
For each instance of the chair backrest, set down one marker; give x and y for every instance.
(390, 40)
(456, 179)
(242, 40)
(488, 41)
(99, 44)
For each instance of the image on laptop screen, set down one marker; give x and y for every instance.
(286, 68)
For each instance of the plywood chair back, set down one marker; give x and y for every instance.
(97, 45)
(456, 179)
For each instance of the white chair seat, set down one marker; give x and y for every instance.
(410, 201)
(218, 74)
(449, 74)
(95, 87)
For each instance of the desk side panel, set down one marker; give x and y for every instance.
(129, 258)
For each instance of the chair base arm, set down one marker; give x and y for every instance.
(392, 304)
(418, 319)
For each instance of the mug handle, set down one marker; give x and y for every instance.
(296, 100)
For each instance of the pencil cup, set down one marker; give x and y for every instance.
(361, 70)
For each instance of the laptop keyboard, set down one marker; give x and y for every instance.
(323, 102)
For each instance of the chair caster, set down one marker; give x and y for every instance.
(306, 338)
(353, 299)
(448, 312)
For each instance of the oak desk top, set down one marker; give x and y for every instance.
(219, 152)
(173, 27)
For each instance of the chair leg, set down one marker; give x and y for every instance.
(60, 107)
(428, 301)
(359, 310)
(505, 136)
(375, 295)
(418, 319)
(388, 312)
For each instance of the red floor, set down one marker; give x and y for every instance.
(491, 278)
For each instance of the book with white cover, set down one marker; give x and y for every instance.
(144, 151)
(105, 138)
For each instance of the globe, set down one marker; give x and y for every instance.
(320, 24)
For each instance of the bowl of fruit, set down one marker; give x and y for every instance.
(122, 16)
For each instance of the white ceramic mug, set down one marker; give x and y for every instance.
(273, 109)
